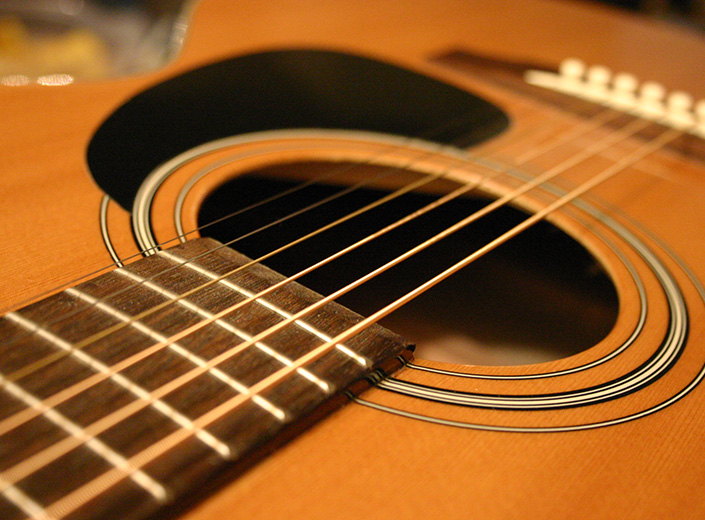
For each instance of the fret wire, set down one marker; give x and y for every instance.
(323, 385)
(182, 352)
(23, 502)
(84, 384)
(360, 360)
(75, 499)
(42, 458)
(141, 393)
(120, 463)
(53, 452)
(50, 454)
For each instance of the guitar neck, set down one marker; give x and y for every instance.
(123, 386)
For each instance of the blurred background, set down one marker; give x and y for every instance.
(690, 12)
(55, 41)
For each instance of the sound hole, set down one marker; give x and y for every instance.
(542, 296)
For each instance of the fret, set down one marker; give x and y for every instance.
(223, 450)
(94, 444)
(118, 378)
(77, 468)
(263, 302)
(172, 412)
(24, 503)
(21, 443)
(57, 341)
(213, 261)
(186, 354)
(169, 295)
(13, 359)
(140, 430)
(8, 406)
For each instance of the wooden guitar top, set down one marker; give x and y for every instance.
(614, 431)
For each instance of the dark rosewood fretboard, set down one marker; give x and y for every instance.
(117, 424)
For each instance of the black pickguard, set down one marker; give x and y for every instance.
(280, 90)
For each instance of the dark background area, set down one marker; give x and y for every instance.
(689, 12)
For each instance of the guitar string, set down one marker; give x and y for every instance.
(14, 472)
(339, 194)
(548, 147)
(100, 484)
(597, 121)
(23, 372)
(426, 135)
(51, 453)
(456, 193)
(4, 424)
(313, 181)
(33, 367)
(15, 478)
(35, 462)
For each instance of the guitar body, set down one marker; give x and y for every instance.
(629, 446)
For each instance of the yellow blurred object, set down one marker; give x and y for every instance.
(76, 52)
(13, 35)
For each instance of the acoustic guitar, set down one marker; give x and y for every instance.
(214, 275)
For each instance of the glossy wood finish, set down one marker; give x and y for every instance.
(46, 121)
(365, 462)
(161, 390)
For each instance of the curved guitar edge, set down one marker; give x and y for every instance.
(361, 462)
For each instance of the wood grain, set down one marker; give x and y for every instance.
(102, 408)
(365, 462)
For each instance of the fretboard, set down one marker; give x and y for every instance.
(148, 384)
